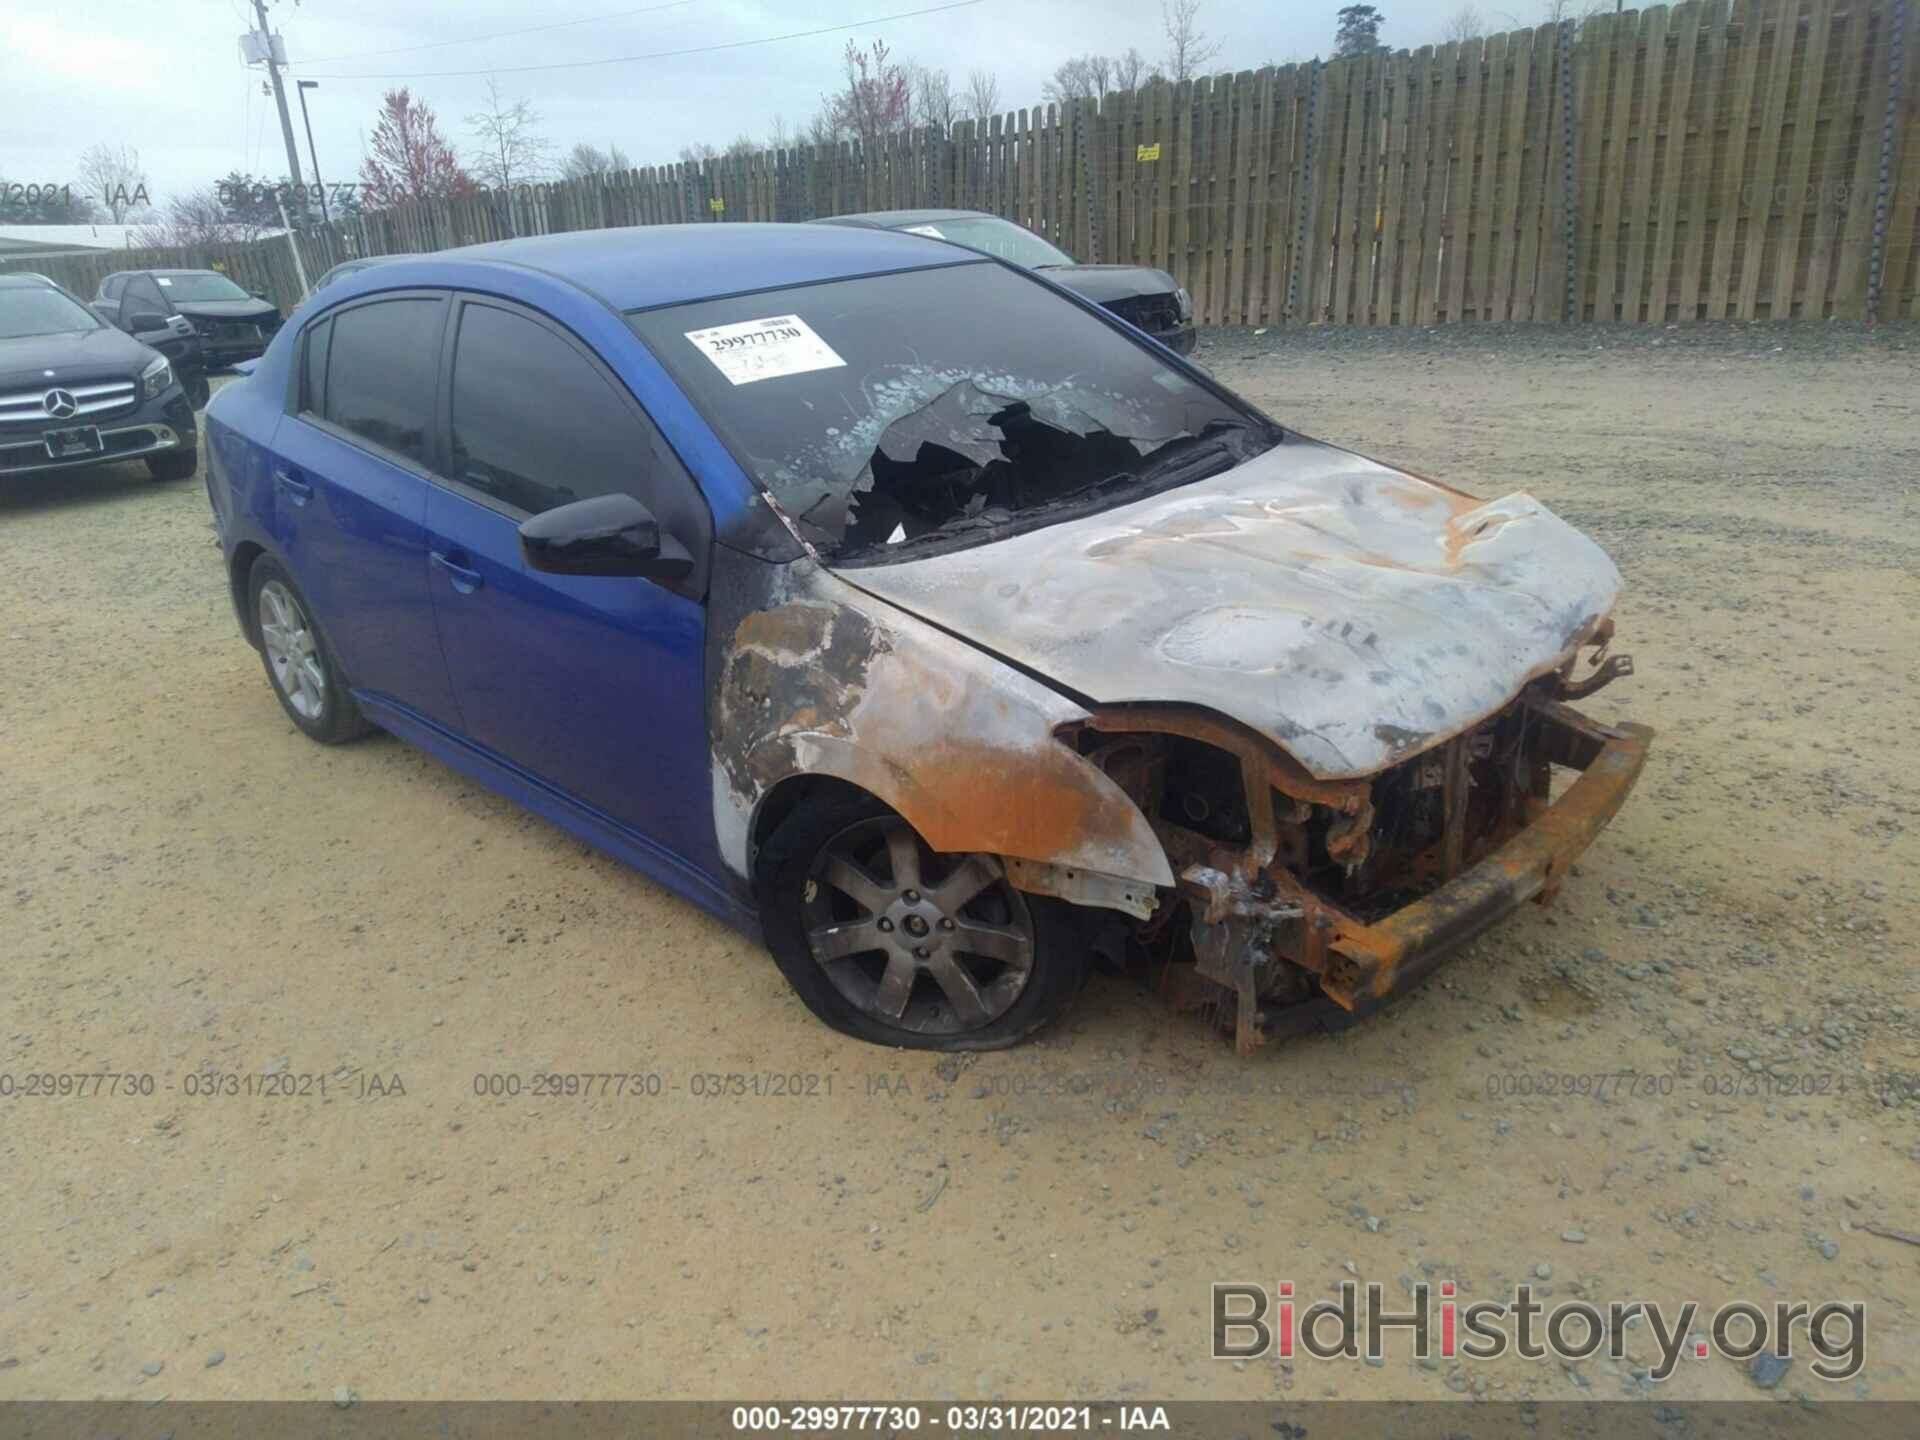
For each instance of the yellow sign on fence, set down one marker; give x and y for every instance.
(716, 204)
(1145, 153)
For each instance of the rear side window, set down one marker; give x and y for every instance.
(378, 381)
(535, 425)
(313, 371)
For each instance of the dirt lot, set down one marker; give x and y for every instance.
(192, 887)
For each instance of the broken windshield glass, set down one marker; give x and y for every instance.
(891, 411)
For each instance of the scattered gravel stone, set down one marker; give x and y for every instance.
(1767, 1369)
(216, 1358)
(1574, 1237)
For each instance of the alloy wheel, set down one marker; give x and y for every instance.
(937, 944)
(293, 652)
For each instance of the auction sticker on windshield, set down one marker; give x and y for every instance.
(765, 349)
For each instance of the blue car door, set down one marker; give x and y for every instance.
(594, 685)
(350, 494)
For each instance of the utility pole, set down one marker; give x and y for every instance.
(279, 98)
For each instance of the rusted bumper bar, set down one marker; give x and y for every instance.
(1369, 962)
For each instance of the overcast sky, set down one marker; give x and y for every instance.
(169, 80)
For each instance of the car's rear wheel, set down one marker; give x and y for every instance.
(174, 465)
(890, 941)
(300, 667)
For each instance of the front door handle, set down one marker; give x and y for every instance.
(465, 579)
(298, 490)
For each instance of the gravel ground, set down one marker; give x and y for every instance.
(194, 889)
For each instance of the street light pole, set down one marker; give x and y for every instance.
(303, 86)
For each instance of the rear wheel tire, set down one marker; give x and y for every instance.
(300, 665)
(175, 465)
(892, 942)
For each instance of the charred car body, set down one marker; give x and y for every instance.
(226, 321)
(920, 618)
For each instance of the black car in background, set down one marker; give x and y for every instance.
(1140, 295)
(74, 391)
(232, 325)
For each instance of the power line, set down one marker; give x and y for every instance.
(655, 54)
(497, 35)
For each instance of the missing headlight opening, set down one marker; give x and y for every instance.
(1296, 895)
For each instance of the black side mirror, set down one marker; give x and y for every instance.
(607, 535)
(146, 320)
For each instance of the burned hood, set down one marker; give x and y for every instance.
(1103, 284)
(1350, 612)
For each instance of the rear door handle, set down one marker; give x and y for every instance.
(299, 490)
(465, 579)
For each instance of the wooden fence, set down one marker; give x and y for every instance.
(1709, 160)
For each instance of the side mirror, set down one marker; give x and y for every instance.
(607, 535)
(146, 320)
(258, 294)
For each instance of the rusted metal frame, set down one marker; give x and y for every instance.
(1374, 959)
(1264, 768)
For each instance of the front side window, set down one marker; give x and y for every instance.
(190, 285)
(535, 425)
(28, 310)
(380, 363)
(896, 414)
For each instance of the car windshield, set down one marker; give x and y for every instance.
(1000, 238)
(29, 310)
(896, 414)
(199, 285)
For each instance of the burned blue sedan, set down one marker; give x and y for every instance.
(907, 610)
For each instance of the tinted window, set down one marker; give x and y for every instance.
(534, 423)
(313, 393)
(111, 290)
(144, 298)
(379, 377)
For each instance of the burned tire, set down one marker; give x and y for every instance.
(300, 665)
(892, 942)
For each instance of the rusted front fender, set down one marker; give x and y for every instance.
(1368, 963)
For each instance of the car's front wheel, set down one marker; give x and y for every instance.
(893, 942)
(300, 667)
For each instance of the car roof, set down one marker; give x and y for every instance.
(644, 267)
(894, 219)
(25, 280)
(171, 273)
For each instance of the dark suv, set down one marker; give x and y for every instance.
(75, 391)
(232, 324)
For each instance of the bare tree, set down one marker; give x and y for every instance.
(586, 161)
(1129, 70)
(779, 137)
(934, 103)
(1084, 77)
(983, 94)
(698, 153)
(113, 177)
(198, 219)
(1465, 24)
(511, 149)
(1189, 48)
